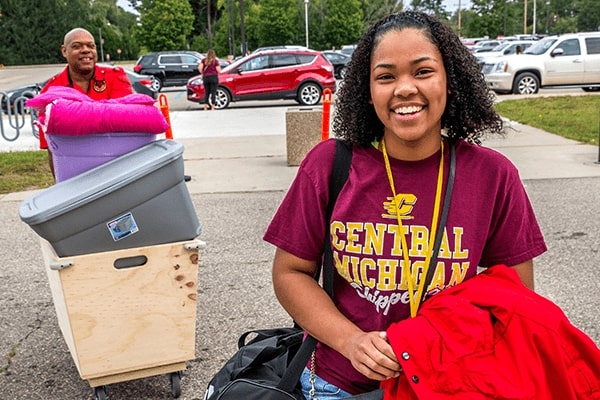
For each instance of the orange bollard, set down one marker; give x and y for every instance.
(164, 109)
(326, 114)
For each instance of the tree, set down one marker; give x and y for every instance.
(165, 24)
(588, 16)
(279, 22)
(490, 14)
(342, 23)
(226, 30)
(374, 10)
(30, 36)
(434, 7)
(117, 27)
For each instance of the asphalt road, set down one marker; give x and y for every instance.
(12, 77)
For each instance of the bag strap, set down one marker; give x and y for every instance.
(339, 175)
(443, 218)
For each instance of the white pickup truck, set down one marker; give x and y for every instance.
(565, 60)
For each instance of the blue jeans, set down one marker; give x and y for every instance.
(323, 389)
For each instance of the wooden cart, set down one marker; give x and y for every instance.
(127, 314)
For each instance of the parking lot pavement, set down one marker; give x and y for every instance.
(237, 183)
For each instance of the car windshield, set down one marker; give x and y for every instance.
(540, 47)
(235, 64)
(501, 47)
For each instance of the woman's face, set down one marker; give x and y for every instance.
(408, 92)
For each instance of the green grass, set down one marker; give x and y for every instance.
(573, 117)
(24, 170)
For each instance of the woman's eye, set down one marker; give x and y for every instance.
(384, 77)
(422, 72)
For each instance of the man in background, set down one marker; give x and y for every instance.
(82, 74)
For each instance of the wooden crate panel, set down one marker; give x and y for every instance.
(134, 318)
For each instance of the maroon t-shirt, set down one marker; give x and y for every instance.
(210, 69)
(490, 222)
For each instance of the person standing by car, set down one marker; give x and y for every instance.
(413, 96)
(82, 74)
(210, 69)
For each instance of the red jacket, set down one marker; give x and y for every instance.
(492, 338)
(106, 83)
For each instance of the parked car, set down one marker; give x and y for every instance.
(565, 60)
(296, 74)
(348, 49)
(339, 62)
(484, 45)
(281, 47)
(503, 49)
(171, 68)
(144, 84)
(15, 98)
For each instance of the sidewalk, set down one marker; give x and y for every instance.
(235, 154)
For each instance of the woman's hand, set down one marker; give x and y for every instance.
(371, 354)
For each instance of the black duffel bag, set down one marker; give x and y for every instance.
(268, 367)
(260, 369)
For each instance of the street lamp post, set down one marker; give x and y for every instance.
(306, 20)
(459, 19)
(534, 16)
(101, 45)
(547, 15)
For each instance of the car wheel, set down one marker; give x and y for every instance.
(309, 94)
(223, 98)
(156, 84)
(343, 72)
(526, 83)
(591, 89)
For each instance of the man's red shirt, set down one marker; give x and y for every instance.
(106, 83)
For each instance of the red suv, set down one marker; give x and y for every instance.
(296, 74)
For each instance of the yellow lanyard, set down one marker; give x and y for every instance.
(407, 271)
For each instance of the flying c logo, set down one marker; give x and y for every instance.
(402, 205)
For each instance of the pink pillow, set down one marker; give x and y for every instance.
(70, 112)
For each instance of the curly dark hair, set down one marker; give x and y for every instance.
(469, 109)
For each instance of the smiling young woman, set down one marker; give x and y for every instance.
(412, 96)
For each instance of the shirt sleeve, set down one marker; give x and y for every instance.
(515, 235)
(298, 226)
(121, 86)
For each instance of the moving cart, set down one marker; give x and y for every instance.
(120, 247)
(127, 314)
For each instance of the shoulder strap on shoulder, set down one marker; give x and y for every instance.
(339, 175)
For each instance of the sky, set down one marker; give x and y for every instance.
(452, 5)
(125, 5)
